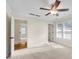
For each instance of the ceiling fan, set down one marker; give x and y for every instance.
(34, 14)
(54, 9)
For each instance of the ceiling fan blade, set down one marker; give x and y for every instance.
(44, 9)
(34, 14)
(47, 14)
(60, 10)
(57, 3)
(52, 6)
(37, 15)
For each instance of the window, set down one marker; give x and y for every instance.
(67, 30)
(64, 30)
(59, 31)
(23, 31)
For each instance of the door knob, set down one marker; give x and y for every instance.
(11, 37)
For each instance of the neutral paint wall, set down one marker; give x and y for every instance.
(8, 10)
(37, 33)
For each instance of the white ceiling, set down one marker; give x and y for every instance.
(24, 7)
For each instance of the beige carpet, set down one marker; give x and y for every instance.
(49, 53)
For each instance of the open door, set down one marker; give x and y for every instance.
(12, 35)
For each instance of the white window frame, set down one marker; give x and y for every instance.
(62, 31)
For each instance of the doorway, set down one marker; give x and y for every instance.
(20, 41)
(50, 32)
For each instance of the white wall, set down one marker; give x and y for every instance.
(37, 33)
(8, 9)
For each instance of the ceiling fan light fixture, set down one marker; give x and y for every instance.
(54, 12)
(55, 8)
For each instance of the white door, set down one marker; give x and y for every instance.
(12, 35)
